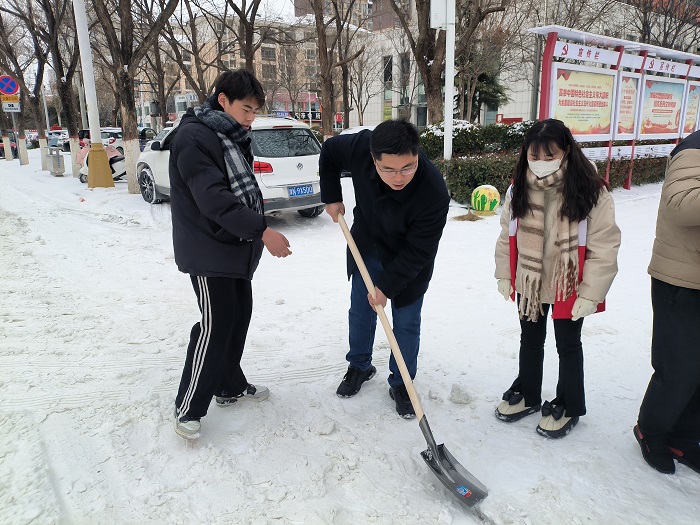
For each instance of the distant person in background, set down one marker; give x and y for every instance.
(219, 230)
(557, 248)
(669, 419)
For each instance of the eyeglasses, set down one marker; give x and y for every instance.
(405, 171)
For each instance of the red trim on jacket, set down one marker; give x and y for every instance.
(560, 309)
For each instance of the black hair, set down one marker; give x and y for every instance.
(239, 84)
(582, 183)
(394, 137)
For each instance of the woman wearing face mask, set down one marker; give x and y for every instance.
(557, 250)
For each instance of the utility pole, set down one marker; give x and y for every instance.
(81, 100)
(449, 77)
(442, 16)
(99, 172)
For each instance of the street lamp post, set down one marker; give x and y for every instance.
(99, 172)
(449, 77)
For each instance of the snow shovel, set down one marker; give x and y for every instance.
(454, 476)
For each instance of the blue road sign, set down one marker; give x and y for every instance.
(8, 85)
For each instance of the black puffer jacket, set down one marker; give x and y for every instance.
(214, 235)
(404, 226)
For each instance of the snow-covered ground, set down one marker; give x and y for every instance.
(95, 318)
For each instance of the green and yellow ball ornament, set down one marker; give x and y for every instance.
(485, 200)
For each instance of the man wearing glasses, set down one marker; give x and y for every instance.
(401, 204)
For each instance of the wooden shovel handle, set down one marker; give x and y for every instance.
(395, 350)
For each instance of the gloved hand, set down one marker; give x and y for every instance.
(505, 289)
(582, 308)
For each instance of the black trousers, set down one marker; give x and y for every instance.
(213, 362)
(570, 390)
(671, 405)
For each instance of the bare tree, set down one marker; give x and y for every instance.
(22, 54)
(161, 79)
(189, 38)
(670, 23)
(327, 44)
(494, 50)
(52, 23)
(346, 31)
(127, 55)
(404, 74)
(428, 45)
(292, 77)
(366, 73)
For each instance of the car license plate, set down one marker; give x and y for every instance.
(298, 191)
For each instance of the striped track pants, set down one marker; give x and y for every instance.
(213, 362)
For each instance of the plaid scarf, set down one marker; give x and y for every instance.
(235, 141)
(531, 247)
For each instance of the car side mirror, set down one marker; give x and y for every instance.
(155, 145)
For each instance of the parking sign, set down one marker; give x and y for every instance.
(8, 85)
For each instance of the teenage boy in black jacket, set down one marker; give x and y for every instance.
(401, 209)
(219, 230)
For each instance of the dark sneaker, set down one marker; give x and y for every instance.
(687, 453)
(187, 427)
(256, 393)
(403, 402)
(513, 408)
(655, 452)
(556, 428)
(352, 382)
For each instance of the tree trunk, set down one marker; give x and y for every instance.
(346, 95)
(461, 96)
(129, 132)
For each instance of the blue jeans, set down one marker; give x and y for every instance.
(363, 324)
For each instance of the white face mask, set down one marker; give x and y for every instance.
(542, 168)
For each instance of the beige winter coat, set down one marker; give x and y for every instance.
(675, 258)
(602, 245)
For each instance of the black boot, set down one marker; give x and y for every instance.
(403, 402)
(352, 382)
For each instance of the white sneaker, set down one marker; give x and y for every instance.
(186, 427)
(256, 393)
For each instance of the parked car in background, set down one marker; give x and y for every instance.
(31, 138)
(114, 137)
(13, 145)
(58, 138)
(285, 165)
(109, 136)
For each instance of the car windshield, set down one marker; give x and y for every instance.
(163, 134)
(284, 142)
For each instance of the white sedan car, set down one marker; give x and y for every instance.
(286, 166)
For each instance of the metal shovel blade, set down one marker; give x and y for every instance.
(450, 472)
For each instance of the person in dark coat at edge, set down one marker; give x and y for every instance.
(401, 209)
(668, 426)
(219, 230)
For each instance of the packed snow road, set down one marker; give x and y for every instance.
(94, 321)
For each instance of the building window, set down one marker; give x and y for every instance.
(405, 65)
(310, 71)
(269, 72)
(269, 53)
(310, 54)
(388, 67)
